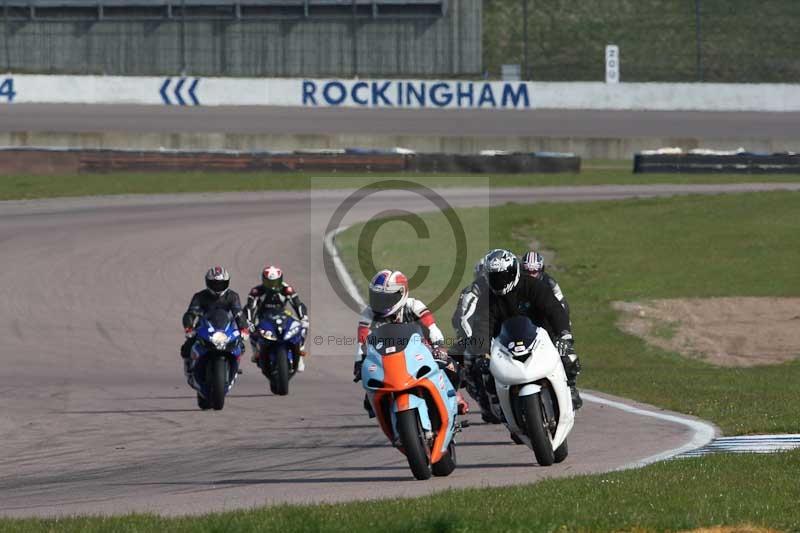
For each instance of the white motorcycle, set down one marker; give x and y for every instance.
(532, 396)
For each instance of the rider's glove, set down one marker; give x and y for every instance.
(251, 328)
(189, 332)
(439, 353)
(357, 371)
(565, 345)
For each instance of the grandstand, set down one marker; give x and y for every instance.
(253, 38)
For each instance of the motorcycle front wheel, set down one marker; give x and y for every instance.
(447, 463)
(279, 379)
(536, 429)
(413, 442)
(217, 377)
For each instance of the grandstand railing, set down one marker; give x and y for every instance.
(107, 10)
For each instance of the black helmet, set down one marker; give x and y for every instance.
(217, 280)
(501, 270)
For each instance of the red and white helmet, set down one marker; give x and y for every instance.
(272, 278)
(388, 292)
(533, 264)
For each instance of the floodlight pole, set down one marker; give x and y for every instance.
(183, 38)
(524, 39)
(5, 35)
(699, 39)
(354, 31)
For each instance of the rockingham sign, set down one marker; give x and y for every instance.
(397, 94)
(416, 94)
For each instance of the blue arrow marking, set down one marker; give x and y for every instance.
(178, 91)
(163, 91)
(192, 88)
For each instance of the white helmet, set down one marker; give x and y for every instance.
(388, 292)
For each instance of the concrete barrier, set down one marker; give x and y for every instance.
(397, 94)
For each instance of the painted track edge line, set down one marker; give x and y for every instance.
(703, 432)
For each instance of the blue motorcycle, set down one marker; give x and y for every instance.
(215, 358)
(277, 341)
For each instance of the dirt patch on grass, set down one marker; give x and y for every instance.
(721, 331)
(732, 529)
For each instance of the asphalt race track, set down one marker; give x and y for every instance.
(74, 118)
(96, 417)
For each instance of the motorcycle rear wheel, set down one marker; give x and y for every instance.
(413, 442)
(536, 430)
(202, 403)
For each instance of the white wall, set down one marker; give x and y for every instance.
(399, 93)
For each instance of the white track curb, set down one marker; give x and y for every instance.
(702, 432)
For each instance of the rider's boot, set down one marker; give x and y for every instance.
(463, 406)
(368, 407)
(572, 367)
(300, 353)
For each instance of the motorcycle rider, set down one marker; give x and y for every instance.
(272, 295)
(217, 295)
(532, 264)
(389, 303)
(465, 317)
(510, 294)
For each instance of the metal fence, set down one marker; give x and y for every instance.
(659, 40)
(309, 38)
(551, 40)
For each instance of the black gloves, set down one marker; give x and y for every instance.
(565, 344)
(439, 353)
(357, 371)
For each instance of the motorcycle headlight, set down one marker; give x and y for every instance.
(220, 340)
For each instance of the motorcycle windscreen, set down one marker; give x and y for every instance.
(219, 319)
(390, 339)
(518, 335)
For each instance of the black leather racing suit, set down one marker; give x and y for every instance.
(553, 284)
(535, 299)
(261, 300)
(205, 301)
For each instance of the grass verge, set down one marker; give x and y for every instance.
(687, 247)
(673, 496)
(28, 187)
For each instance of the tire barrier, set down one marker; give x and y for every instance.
(67, 161)
(717, 163)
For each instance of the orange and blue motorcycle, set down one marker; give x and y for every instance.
(414, 401)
